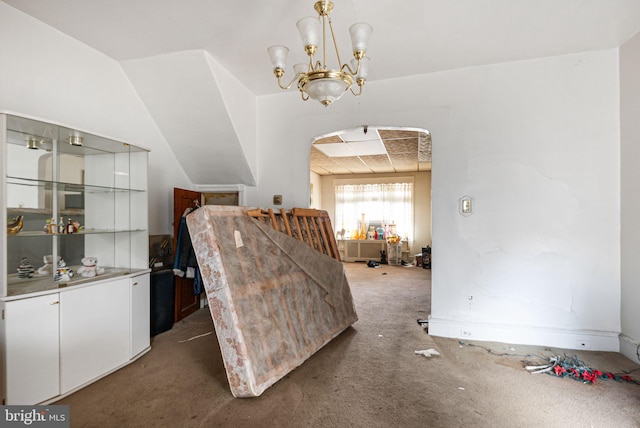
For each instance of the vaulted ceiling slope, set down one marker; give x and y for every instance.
(181, 92)
(410, 37)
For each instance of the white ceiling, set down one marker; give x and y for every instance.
(410, 36)
(166, 47)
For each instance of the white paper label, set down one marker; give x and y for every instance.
(236, 235)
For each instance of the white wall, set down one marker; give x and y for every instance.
(49, 75)
(538, 262)
(630, 195)
(536, 144)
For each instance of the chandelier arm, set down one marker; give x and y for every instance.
(354, 92)
(352, 72)
(290, 84)
(302, 93)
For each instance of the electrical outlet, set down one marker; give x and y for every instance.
(465, 333)
(582, 344)
(277, 199)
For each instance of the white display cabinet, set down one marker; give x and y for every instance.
(67, 195)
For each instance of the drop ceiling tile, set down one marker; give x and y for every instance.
(317, 154)
(406, 167)
(363, 169)
(376, 160)
(349, 162)
(402, 146)
(320, 171)
(424, 157)
(318, 158)
(381, 169)
(396, 133)
(336, 150)
(403, 158)
(371, 147)
(330, 139)
(334, 170)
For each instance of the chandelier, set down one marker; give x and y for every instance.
(316, 80)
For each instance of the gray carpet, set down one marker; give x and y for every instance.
(369, 376)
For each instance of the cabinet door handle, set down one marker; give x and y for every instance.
(55, 303)
(135, 283)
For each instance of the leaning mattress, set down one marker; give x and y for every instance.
(274, 300)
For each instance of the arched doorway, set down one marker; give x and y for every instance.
(371, 154)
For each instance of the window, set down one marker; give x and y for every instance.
(382, 204)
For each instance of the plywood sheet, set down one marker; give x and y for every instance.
(274, 300)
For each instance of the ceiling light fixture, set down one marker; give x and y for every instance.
(317, 81)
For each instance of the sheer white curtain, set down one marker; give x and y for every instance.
(381, 204)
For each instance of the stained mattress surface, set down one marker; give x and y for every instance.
(274, 300)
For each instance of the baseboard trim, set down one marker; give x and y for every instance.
(630, 348)
(591, 340)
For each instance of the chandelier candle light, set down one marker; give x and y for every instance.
(317, 81)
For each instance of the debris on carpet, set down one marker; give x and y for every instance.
(427, 352)
(195, 337)
(573, 368)
(564, 367)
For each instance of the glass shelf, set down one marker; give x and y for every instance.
(67, 187)
(38, 283)
(53, 174)
(12, 211)
(80, 232)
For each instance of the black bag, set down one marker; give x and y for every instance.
(426, 257)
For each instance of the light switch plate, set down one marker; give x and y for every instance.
(466, 205)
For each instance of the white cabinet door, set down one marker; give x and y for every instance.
(31, 349)
(140, 314)
(94, 332)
